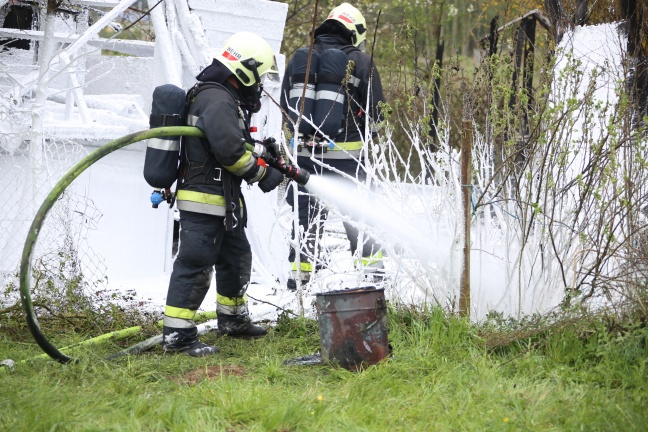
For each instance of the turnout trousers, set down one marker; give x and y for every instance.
(312, 215)
(206, 246)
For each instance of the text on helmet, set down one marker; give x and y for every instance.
(231, 54)
(343, 16)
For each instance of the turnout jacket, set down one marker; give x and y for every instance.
(214, 167)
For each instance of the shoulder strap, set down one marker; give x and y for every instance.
(198, 87)
(348, 49)
(184, 165)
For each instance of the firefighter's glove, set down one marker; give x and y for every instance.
(268, 150)
(260, 151)
(270, 180)
(271, 146)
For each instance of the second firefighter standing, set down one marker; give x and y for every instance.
(359, 93)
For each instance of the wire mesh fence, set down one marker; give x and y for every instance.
(62, 253)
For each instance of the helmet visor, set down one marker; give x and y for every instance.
(273, 73)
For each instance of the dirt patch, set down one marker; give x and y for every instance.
(208, 373)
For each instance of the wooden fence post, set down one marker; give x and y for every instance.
(466, 188)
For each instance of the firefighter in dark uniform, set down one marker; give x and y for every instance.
(209, 198)
(344, 29)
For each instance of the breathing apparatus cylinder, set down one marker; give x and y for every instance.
(297, 82)
(331, 92)
(163, 154)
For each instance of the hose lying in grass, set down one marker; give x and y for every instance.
(48, 203)
(123, 334)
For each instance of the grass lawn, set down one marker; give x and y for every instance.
(444, 375)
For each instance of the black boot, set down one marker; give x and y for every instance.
(177, 340)
(239, 326)
(291, 283)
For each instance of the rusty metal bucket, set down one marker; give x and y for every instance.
(353, 327)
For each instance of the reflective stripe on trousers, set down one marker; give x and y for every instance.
(232, 305)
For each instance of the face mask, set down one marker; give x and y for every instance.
(251, 97)
(363, 45)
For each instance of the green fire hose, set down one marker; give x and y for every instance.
(114, 336)
(50, 200)
(290, 171)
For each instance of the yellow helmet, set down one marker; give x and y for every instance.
(248, 56)
(352, 19)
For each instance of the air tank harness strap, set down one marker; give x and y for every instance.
(318, 78)
(160, 120)
(233, 197)
(203, 172)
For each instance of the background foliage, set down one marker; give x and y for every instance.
(403, 40)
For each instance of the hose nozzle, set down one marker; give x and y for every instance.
(297, 174)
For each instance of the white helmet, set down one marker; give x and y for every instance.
(352, 19)
(248, 56)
